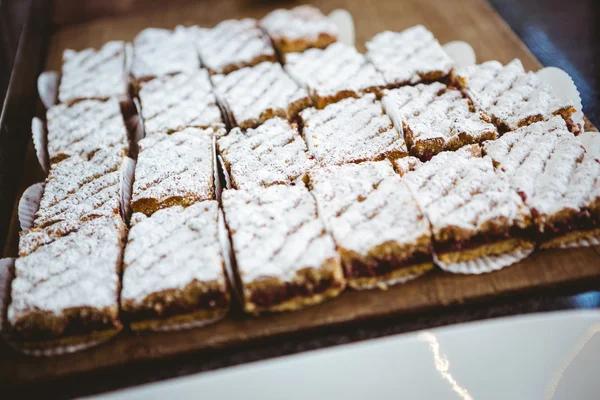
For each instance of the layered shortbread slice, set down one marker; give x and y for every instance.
(77, 190)
(408, 57)
(253, 95)
(94, 74)
(334, 73)
(66, 293)
(298, 29)
(285, 258)
(435, 118)
(273, 153)
(512, 97)
(382, 236)
(83, 128)
(171, 103)
(352, 130)
(556, 178)
(175, 169)
(174, 269)
(233, 44)
(159, 52)
(473, 211)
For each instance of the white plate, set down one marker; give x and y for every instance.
(540, 356)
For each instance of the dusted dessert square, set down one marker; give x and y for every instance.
(382, 236)
(76, 190)
(352, 130)
(175, 169)
(285, 258)
(408, 57)
(435, 118)
(253, 95)
(233, 44)
(174, 102)
(298, 29)
(159, 52)
(273, 153)
(85, 127)
(512, 97)
(334, 73)
(472, 210)
(173, 268)
(94, 74)
(66, 293)
(556, 178)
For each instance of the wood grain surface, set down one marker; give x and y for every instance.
(473, 21)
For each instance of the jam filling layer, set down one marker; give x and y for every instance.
(360, 268)
(481, 239)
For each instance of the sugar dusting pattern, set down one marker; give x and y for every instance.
(302, 22)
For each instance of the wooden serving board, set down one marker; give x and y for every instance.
(473, 21)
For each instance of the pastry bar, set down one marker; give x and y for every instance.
(158, 52)
(76, 190)
(335, 73)
(556, 178)
(273, 153)
(85, 127)
(94, 74)
(175, 169)
(285, 258)
(174, 102)
(434, 118)
(298, 29)
(472, 210)
(382, 236)
(173, 268)
(233, 44)
(408, 57)
(253, 95)
(511, 96)
(65, 293)
(352, 130)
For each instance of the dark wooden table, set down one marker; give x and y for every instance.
(559, 33)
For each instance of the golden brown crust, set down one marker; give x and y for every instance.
(490, 249)
(569, 237)
(383, 281)
(286, 45)
(181, 319)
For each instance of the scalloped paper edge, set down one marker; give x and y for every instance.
(29, 204)
(563, 85)
(587, 242)
(126, 186)
(187, 325)
(225, 173)
(345, 24)
(461, 52)
(485, 265)
(385, 285)
(47, 86)
(39, 135)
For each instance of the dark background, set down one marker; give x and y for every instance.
(560, 33)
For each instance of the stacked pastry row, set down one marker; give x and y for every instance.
(342, 169)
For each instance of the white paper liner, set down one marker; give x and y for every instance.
(563, 86)
(384, 285)
(6, 278)
(47, 85)
(126, 185)
(140, 132)
(587, 242)
(29, 205)
(345, 24)
(461, 52)
(186, 325)
(591, 142)
(228, 257)
(225, 173)
(128, 58)
(484, 265)
(40, 143)
(216, 178)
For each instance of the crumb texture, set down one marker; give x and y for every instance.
(233, 44)
(273, 153)
(174, 169)
(352, 130)
(366, 205)
(408, 57)
(93, 74)
(276, 232)
(172, 103)
(254, 94)
(84, 128)
(171, 249)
